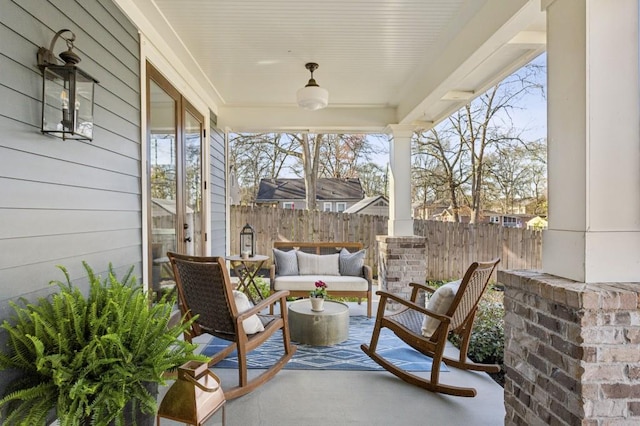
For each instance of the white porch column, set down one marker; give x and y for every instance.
(593, 141)
(400, 221)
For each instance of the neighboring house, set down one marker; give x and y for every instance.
(376, 206)
(517, 206)
(332, 194)
(447, 215)
(427, 210)
(537, 224)
(509, 220)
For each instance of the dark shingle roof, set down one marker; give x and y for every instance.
(293, 189)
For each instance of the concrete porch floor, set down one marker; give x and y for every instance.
(315, 398)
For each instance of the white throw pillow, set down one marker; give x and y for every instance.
(439, 302)
(313, 264)
(252, 325)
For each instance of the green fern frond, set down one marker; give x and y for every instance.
(88, 356)
(36, 401)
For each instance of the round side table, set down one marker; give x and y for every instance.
(325, 328)
(246, 270)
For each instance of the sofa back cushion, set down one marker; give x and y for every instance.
(352, 263)
(313, 264)
(286, 262)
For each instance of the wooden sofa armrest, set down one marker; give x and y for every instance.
(272, 277)
(368, 275)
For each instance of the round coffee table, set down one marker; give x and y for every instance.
(325, 328)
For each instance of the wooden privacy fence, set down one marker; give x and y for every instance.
(451, 247)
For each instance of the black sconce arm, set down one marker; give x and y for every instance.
(47, 57)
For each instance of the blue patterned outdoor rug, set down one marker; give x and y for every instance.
(343, 356)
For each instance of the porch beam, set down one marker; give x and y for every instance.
(334, 119)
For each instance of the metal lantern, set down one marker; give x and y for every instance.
(248, 241)
(67, 93)
(194, 397)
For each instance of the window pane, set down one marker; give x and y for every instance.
(193, 184)
(163, 179)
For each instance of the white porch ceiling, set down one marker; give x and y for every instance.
(382, 61)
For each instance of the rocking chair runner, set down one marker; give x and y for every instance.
(204, 289)
(408, 324)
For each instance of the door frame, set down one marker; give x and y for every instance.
(182, 106)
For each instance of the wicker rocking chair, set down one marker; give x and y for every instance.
(411, 322)
(204, 289)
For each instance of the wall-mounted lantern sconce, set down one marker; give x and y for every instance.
(67, 93)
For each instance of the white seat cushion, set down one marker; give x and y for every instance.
(334, 283)
(439, 302)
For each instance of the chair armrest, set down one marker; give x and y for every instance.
(411, 305)
(279, 295)
(423, 287)
(416, 287)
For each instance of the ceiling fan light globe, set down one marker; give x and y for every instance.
(312, 98)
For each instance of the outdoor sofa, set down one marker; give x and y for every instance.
(298, 265)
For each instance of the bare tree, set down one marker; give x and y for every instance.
(374, 179)
(341, 155)
(463, 143)
(517, 173)
(305, 150)
(449, 169)
(257, 156)
(326, 155)
(309, 156)
(426, 176)
(507, 169)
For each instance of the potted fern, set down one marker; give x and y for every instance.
(83, 359)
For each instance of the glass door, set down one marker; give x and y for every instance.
(193, 184)
(175, 135)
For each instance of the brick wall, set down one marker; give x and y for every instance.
(401, 260)
(572, 351)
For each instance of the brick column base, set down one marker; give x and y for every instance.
(572, 351)
(401, 260)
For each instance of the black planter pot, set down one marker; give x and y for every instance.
(138, 418)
